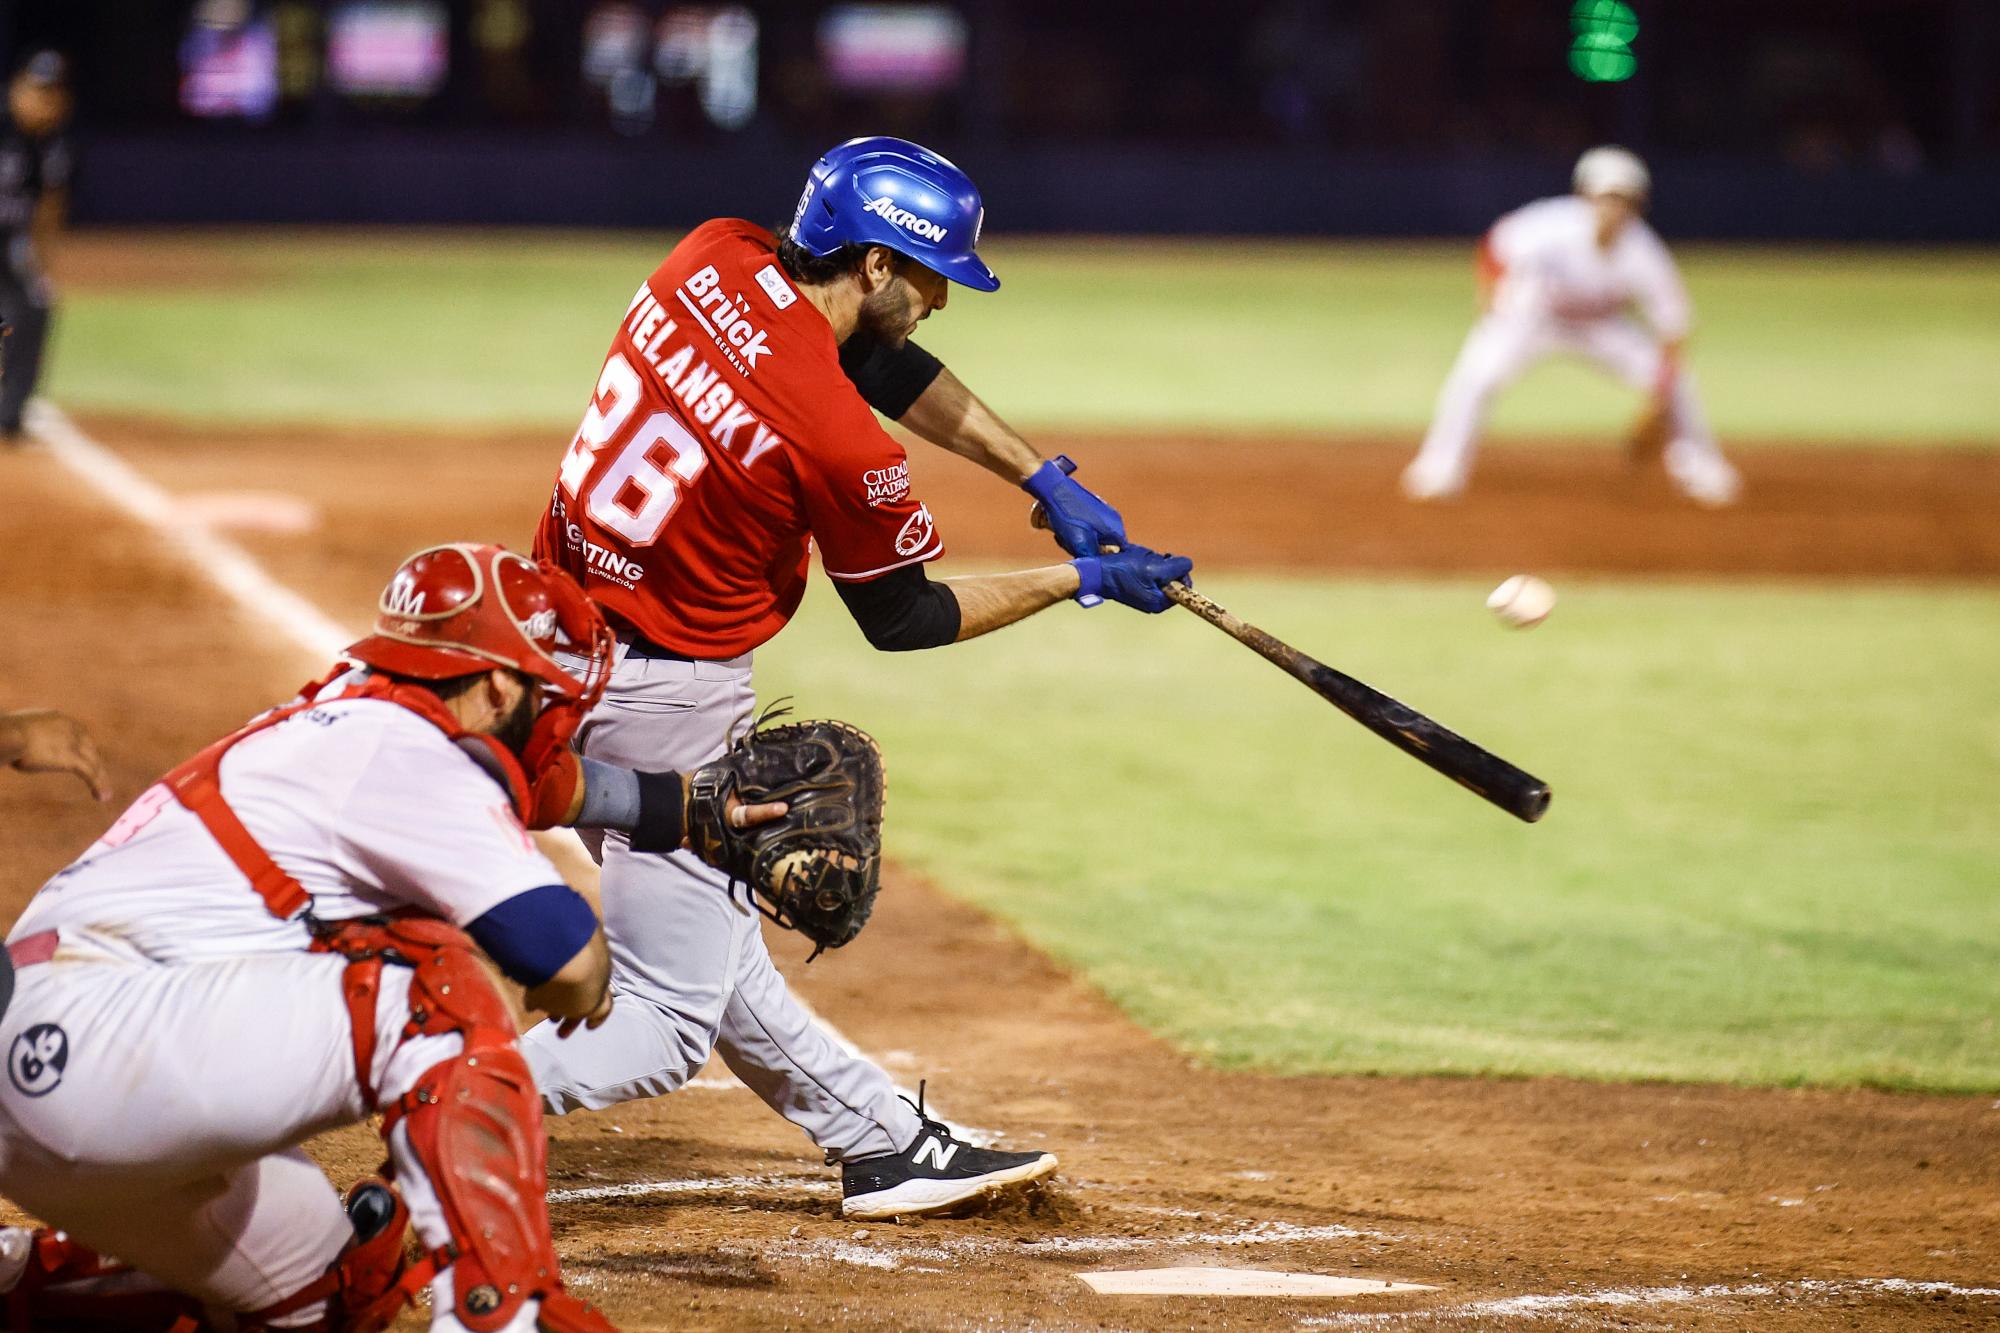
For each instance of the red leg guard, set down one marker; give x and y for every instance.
(564, 1313)
(362, 1289)
(369, 1272)
(68, 1287)
(475, 1123)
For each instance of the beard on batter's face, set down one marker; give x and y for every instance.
(889, 313)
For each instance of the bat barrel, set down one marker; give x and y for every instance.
(1472, 766)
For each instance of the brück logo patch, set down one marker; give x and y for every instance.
(37, 1061)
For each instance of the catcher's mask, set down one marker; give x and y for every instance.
(461, 609)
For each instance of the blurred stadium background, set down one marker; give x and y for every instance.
(1235, 240)
(1860, 119)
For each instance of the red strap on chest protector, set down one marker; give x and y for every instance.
(197, 783)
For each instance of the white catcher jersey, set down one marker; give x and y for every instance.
(367, 805)
(1552, 268)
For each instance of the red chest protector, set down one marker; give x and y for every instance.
(197, 784)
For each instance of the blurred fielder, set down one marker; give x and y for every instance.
(34, 180)
(1559, 277)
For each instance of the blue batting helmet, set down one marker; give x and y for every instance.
(891, 192)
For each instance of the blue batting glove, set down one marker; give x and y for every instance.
(1081, 522)
(1135, 577)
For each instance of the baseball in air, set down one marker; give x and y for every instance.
(1522, 602)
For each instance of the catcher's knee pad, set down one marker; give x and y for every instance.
(67, 1287)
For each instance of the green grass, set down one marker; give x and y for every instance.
(508, 328)
(1772, 856)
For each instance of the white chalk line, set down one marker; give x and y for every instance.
(228, 566)
(244, 580)
(728, 1185)
(894, 1253)
(1562, 1305)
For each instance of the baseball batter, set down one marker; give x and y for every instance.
(1560, 277)
(730, 430)
(277, 939)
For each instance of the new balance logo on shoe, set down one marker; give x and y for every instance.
(939, 1151)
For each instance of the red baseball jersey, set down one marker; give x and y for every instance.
(722, 440)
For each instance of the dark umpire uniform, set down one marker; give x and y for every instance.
(31, 166)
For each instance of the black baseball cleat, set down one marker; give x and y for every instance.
(935, 1173)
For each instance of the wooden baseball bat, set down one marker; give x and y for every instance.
(1471, 766)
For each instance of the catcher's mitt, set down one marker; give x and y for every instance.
(819, 867)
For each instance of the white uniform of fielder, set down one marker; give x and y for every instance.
(1561, 286)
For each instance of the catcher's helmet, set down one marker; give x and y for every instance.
(460, 609)
(884, 191)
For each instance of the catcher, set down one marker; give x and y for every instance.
(278, 938)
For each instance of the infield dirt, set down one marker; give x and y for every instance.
(1529, 1203)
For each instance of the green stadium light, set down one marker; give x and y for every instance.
(1602, 49)
(1598, 58)
(1606, 16)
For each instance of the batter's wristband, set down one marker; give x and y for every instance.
(662, 823)
(1089, 580)
(1047, 479)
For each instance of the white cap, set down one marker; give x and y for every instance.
(1612, 170)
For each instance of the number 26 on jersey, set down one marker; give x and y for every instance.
(635, 496)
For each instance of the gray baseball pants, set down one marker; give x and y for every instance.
(690, 973)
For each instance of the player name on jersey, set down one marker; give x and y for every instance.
(690, 377)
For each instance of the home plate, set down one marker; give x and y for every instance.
(251, 511)
(1236, 1282)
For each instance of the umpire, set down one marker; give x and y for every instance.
(34, 180)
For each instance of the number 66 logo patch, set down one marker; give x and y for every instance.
(38, 1059)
